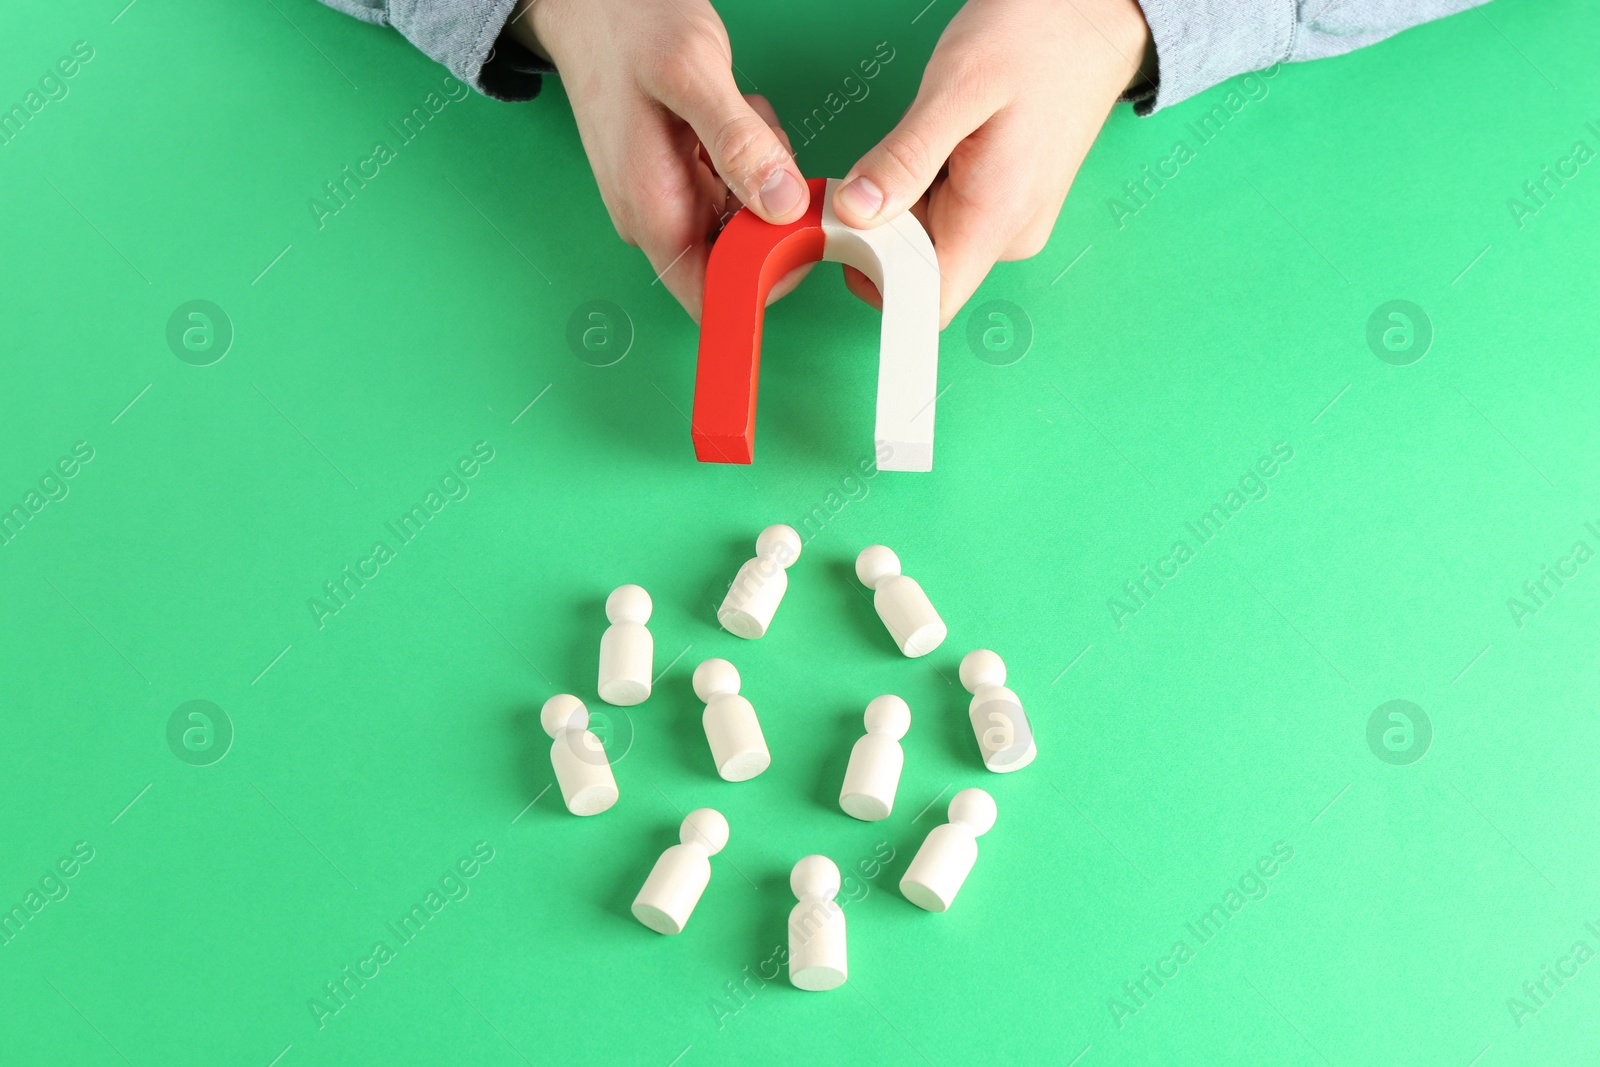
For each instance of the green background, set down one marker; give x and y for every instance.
(1227, 715)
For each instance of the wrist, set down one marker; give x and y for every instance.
(530, 26)
(1146, 74)
(1126, 31)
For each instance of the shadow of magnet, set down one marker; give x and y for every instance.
(749, 258)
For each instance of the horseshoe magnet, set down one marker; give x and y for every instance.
(749, 257)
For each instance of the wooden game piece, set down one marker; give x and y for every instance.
(876, 760)
(1001, 726)
(901, 261)
(817, 950)
(758, 588)
(737, 746)
(943, 862)
(583, 771)
(749, 257)
(901, 603)
(627, 651)
(681, 874)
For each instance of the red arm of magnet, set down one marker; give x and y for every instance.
(749, 257)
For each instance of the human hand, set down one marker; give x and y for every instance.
(1011, 100)
(674, 146)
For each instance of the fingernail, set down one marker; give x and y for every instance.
(781, 194)
(862, 198)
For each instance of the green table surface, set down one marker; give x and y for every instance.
(1428, 874)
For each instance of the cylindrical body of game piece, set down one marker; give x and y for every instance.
(758, 588)
(818, 955)
(1001, 726)
(753, 598)
(673, 889)
(940, 867)
(627, 654)
(908, 613)
(583, 772)
(817, 949)
(873, 777)
(738, 747)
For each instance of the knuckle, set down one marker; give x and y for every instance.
(682, 59)
(676, 68)
(624, 227)
(742, 147)
(1026, 245)
(636, 190)
(706, 30)
(669, 75)
(975, 193)
(909, 155)
(657, 236)
(621, 217)
(969, 77)
(643, 212)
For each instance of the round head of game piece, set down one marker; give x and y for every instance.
(715, 677)
(888, 715)
(815, 876)
(875, 564)
(707, 828)
(981, 667)
(562, 712)
(975, 809)
(628, 603)
(780, 544)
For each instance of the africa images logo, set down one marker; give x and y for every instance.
(1399, 733)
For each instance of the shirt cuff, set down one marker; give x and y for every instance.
(1202, 42)
(468, 37)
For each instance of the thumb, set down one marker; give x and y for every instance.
(899, 169)
(746, 152)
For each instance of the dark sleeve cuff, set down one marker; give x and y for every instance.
(468, 36)
(1202, 42)
(511, 71)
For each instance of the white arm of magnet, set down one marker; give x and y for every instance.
(901, 262)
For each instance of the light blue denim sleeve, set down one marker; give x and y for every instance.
(461, 34)
(1198, 43)
(1202, 42)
